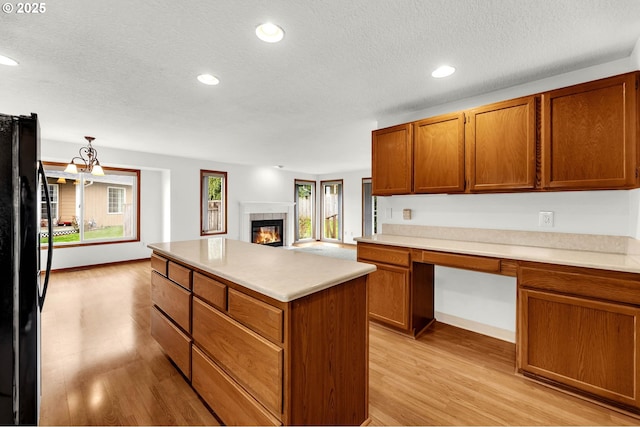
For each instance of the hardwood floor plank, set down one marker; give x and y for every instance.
(101, 367)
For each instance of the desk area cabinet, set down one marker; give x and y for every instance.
(577, 328)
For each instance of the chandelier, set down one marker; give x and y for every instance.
(88, 160)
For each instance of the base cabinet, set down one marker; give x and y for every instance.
(585, 342)
(400, 292)
(259, 361)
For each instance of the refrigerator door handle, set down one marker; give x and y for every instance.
(42, 296)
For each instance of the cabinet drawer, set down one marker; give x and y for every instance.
(489, 265)
(179, 274)
(384, 254)
(253, 361)
(172, 299)
(210, 290)
(583, 282)
(173, 341)
(259, 316)
(159, 264)
(228, 400)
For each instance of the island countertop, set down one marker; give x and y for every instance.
(279, 273)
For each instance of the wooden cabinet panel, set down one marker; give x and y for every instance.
(468, 262)
(179, 274)
(586, 344)
(384, 254)
(263, 318)
(159, 264)
(392, 160)
(253, 361)
(329, 357)
(589, 135)
(609, 286)
(210, 290)
(438, 154)
(174, 300)
(389, 298)
(501, 139)
(173, 341)
(227, 399)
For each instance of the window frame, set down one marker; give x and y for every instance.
(135, 238)
(204, 201)
(340, 182)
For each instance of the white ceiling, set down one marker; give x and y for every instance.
(125, 71)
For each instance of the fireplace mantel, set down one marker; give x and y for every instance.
(248, 208)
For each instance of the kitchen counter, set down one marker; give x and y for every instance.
(279, 273)
(577, 258)
(264, 335)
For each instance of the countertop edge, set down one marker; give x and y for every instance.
(362, 270)
(624, 263)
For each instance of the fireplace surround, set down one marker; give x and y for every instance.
(253, 211)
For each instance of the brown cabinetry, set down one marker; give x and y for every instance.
(394, 298)
(580, 137)
(259, 361)
(438, 145)
(392, 160)
(590, 135)
(501, 139)
(577, 328)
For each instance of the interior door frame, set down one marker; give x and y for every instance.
(340, 239)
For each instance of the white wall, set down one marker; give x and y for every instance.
(170, 199)
(480, 301)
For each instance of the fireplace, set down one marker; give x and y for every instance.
(268, 232)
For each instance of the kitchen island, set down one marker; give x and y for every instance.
(266, 336)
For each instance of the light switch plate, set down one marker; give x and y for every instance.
(545, 219)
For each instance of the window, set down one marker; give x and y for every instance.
(116, 197)
(93, 209)
(369, 209)
(332, 210)
(53, 197)
(213, 202)
(305, 195)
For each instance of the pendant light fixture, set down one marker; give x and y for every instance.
(88, 160)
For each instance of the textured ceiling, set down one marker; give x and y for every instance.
(125, 71)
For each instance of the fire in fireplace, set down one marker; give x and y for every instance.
(268, 232)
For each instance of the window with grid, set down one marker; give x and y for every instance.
(116, 198)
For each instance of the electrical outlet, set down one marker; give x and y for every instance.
(545, 219)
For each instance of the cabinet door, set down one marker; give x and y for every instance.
(388, 289)
(392, 160)
(583, 343)
(589, 135)
(438, 150)
(502, 145)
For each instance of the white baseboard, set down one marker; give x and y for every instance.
(481, 328)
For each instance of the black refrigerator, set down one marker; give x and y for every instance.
(22, 287)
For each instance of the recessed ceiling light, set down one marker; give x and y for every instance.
(444, 71)
(269, 32)
(208, 79)
(4, 60)
(278, 166)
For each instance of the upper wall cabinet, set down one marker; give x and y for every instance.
(392, 160)
(438, 150)
(501, 139)
(589, 135)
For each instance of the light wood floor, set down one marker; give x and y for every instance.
(101, 367)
